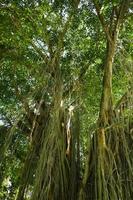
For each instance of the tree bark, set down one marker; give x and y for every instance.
(106, 110)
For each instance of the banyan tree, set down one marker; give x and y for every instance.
(66, 100)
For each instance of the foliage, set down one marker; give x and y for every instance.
(53, 100)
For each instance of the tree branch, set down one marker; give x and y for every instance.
(101, 18)
(120, 14)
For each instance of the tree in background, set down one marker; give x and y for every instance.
(66, 100)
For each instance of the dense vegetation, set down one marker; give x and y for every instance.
(66, 100)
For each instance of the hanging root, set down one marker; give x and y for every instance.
(111, 176)
(51, 179)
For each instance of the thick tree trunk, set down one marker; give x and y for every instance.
(106, 109)
(106, 100)
(50, 173)
(105, 118)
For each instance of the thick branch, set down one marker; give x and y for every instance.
(101, 18)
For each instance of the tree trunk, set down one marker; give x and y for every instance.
(105, 118)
